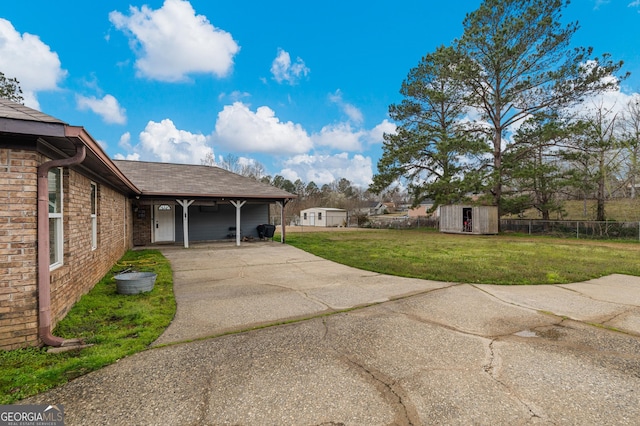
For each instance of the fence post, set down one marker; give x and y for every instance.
(530, 224)
(578, 230)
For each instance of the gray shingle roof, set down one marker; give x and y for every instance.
(18, 119)
(16, 111)
(187, 180)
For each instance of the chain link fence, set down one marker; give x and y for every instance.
(606, 230)
(402, 222)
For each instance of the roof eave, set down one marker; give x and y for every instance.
(79, 133)
(27, 127)
(227, 196)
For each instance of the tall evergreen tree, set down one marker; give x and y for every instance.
(432, 150)
(518, 61)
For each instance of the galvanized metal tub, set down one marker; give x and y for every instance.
(135, 282)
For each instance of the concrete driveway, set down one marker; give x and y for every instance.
(412, 352)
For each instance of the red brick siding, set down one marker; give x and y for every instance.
(142, 226)
(18, 248)
(82, 268)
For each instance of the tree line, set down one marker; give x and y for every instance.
(341, 193)
(505, 116)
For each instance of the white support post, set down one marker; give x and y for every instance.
(238, 205)
(282, 229)
(185, 220)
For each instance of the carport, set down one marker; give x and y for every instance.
(183, 202)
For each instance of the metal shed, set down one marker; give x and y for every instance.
(462, 219)
(323, 216)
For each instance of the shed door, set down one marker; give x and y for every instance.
(467, 219)
(164, 226)
(312, 219)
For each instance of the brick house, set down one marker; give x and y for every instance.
(423, 210)
(68, 213)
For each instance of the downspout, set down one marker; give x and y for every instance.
(44, 276)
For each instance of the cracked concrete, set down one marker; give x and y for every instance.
(394, 394)
(404, 352)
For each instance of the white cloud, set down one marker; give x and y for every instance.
(324, 169)
(239, 129)
(108, 108)
(131, 157)
(615, 101)
(165, 143)
(375, 134)
(352, 112)
(339, 136)
(635, 3)
(235, 96)
(284, 71)
(343, 137)
(27, 58)
(125, 141)
(612, 100)
(172, 42)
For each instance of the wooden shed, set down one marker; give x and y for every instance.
(461, 219)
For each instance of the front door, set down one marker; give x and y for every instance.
(164, 226)
(312, 219)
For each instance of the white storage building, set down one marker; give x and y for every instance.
(323, 216)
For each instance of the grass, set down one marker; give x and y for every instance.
(502, 259)
(117, 325)
(621, 210)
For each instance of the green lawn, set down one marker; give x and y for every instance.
(498, 259)
(117, 325)
(618, 209)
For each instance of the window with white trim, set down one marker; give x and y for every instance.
(55, 218)
(94, 216)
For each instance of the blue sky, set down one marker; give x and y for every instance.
(301, 87)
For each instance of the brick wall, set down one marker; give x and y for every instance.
(82, 268)
(142, 226)
(18, 248)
